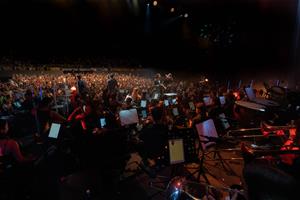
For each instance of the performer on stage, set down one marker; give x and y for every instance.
(81, 85)
(112, 84)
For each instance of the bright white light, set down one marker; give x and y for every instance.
(154, 3)
(206, 80)
(73, 88)
(172, 9)
(186, 15)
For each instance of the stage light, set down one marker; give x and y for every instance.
(154, 3)
(186, 15)
(172, 10)
(206, 80)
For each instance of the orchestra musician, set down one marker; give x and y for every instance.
(158, 83)
(168, 81)
(290, 163)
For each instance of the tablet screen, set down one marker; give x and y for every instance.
(222, 100)
(54, 130)
(102, 122)
(175, 111)
(224, 121)
(144, 113)
(166, 102)
(174, 101)
(192, 106)
(128, 117)
(207, 101)
(143, 103)
(176, 151)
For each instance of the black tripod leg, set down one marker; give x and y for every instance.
(202, 172)
(225, 165)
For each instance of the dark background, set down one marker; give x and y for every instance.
(229, 34)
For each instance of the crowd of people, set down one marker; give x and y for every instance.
(30, 104)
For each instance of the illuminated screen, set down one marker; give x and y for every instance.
(207, 101)
(224, 121)
(166, 102)
(176, 151)
(102, 122)
(222, 100)
(54, 130)
(208, 129)
(128, 117)
(143, 103)
(144, 113)
(175, 111)
(250, 93)
(192, 106)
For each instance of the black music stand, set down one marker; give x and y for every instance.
(181, 150)
(208, 137)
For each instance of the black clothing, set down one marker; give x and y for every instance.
(155, 138)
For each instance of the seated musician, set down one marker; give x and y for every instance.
(9, 147)
(45, 114)
(81, 112)
(128, 103)
(290, 162)
(266, 182)
(199, 116)
(136, 97)
(154, 136)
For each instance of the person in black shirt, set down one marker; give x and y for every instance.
(154, 136)
(82, 89)
(112, 84)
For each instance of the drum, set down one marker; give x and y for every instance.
(251, 106)
(249, 114)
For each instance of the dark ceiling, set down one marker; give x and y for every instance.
(217, 32)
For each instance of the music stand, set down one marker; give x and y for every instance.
(208, 137)
(179, 152)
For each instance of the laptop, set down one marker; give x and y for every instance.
(252, 97)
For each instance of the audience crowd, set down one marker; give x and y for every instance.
(30, 104)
